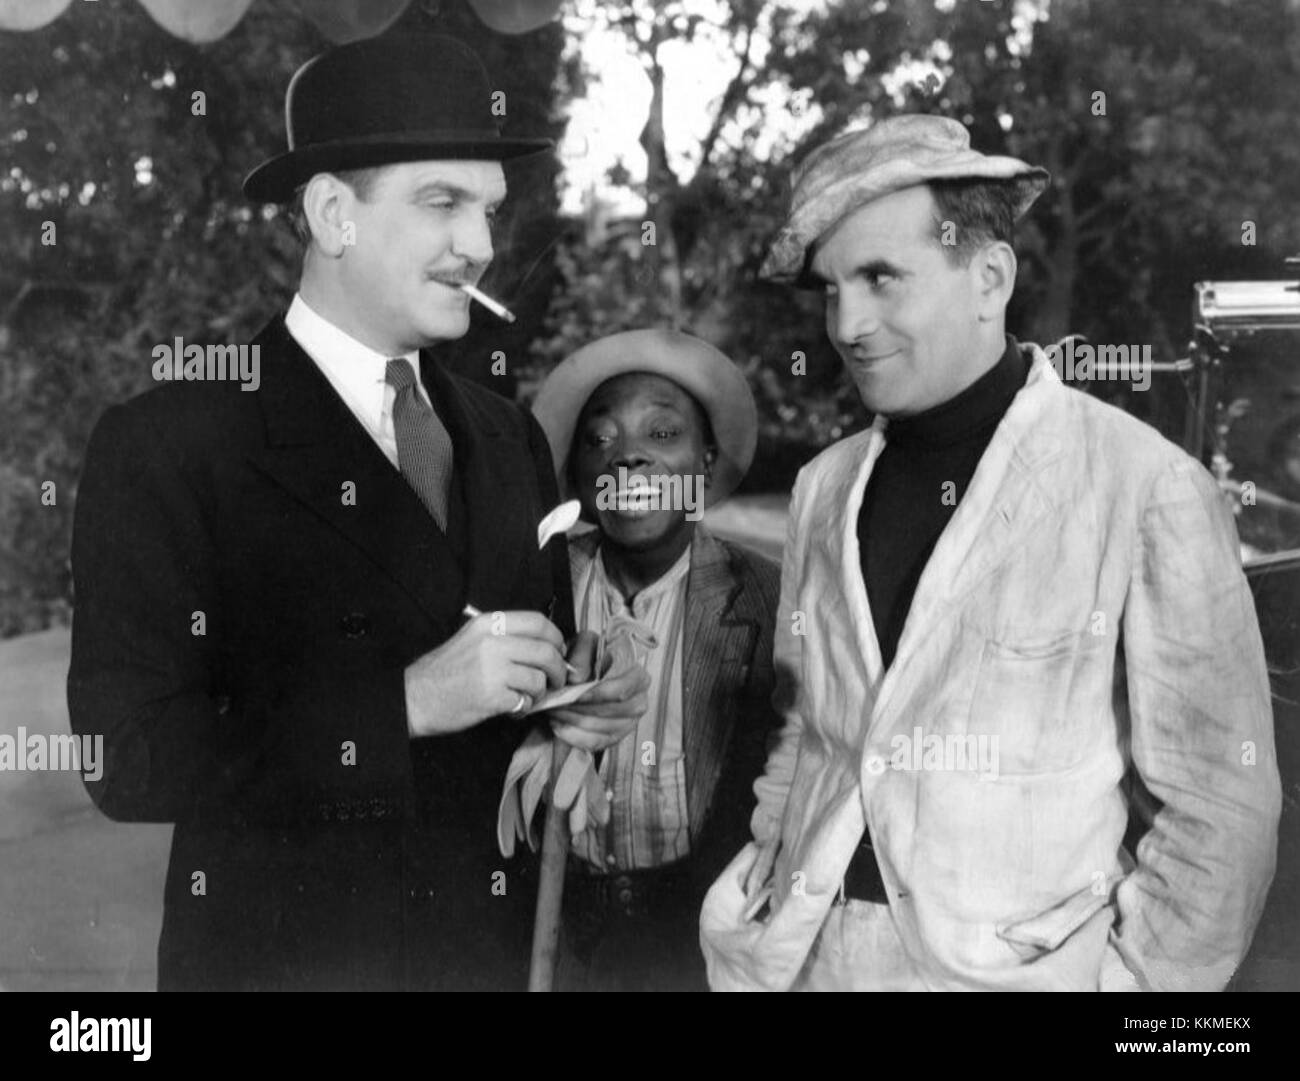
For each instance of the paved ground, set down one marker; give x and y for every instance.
(80, 896)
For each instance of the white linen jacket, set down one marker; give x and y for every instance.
(1086, 611)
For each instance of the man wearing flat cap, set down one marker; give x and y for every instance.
(1014, 616)
(269, 632)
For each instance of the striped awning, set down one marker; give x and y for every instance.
(201, 21)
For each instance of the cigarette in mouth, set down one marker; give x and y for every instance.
(499, 310)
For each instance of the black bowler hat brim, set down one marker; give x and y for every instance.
(276, 180)
(383, 101)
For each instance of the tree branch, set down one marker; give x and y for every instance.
(736, 91)
(1087, 217)
(628, 22)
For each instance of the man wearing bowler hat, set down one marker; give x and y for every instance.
(1015, 618)
(269, 628)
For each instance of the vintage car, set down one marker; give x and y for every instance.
(1245, 371)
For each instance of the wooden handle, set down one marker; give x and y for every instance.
(550, 884)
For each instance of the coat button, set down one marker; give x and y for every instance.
(623, 891)
(355, 625)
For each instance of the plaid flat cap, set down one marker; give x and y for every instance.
(850, 171)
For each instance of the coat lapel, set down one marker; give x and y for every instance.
(717, 648)
(1004, 501)
(845, 496)
(498, 478)
(315, 446)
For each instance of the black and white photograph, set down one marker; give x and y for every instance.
(650, 495)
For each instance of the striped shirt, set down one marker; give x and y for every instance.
(646, 772)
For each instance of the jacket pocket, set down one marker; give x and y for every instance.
(1026, 703)
(1046, 931)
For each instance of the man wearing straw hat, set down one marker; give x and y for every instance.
(647, 428)
(270, 586)
(1016, 617)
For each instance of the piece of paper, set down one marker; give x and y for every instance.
(562, 696)
(560, 520)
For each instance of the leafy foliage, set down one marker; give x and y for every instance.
(141, 181)
(1194, 132)
(154, 240)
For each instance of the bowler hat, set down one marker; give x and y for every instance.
(847, 173)
(386, 100)
(697, 367)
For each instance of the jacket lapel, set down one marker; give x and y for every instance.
(842, 504)
(315, 446)
(1005, 499)
(717, 648)
(498, 477)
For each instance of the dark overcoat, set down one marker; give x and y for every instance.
(252, 576)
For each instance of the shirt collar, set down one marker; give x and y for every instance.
(671, 579)
(348, 362)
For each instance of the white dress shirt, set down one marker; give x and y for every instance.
(355, 371)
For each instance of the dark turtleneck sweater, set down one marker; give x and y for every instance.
(908, 501)
(905, 508)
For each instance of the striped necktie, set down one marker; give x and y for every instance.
(424, 451)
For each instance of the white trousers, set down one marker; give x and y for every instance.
(858, 949)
